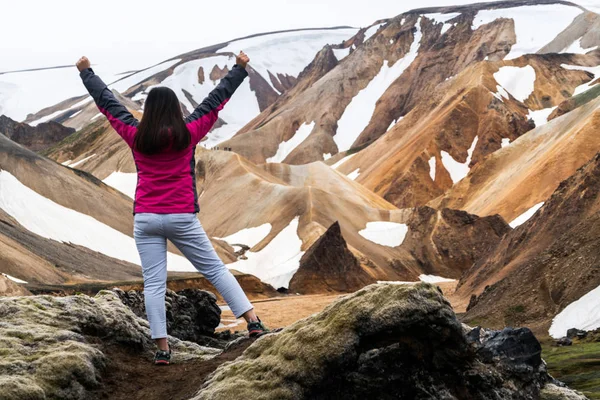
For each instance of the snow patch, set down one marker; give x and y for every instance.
(80, 161)
(354, 174)
(432, 168)
(59, 112)
(278, 261)
(458, 170)
(286, 53)
(385, 233)
(576, 48)
(50, 220)
(358, 113)
(340, 54)
(540, 117)
(372, 30)
(285, 148)
(586, 86)
(434, 279)
(501, 93)
(326, 156)
(343, 160)
(517, 81)
(582, 314)
(95, 117)
(124, 182)
(16, 280)
(521, 219)
(249, 236)
(531, 24)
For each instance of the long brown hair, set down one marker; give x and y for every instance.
(162, 126)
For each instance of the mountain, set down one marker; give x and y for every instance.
(525, 173)
(277, 59)
(36, 138)
(417, 138)
(541, 270)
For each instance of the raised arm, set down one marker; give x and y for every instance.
(205, 115)
(119, 117)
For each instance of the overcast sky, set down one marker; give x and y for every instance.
(137, 33)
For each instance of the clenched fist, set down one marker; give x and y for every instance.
(242, 59)
(83, 63)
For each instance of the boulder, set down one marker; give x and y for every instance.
(564, 342)
(386, 342)
(575, 333)
(53, 347)
(192, 314)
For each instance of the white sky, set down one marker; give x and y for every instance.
(139, 33)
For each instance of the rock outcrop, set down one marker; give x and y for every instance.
(52, 347)
(448, 242)
(388, 342)
(328, 266)
(36, 138)
(192, 314)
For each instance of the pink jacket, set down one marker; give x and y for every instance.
(166, 181)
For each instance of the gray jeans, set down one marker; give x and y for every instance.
(151, 232)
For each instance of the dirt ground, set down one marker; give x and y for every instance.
(283, 311)
(131, 377)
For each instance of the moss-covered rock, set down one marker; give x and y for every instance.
(51, 347)
(386, 342)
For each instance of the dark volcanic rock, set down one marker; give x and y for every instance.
(192, 314)
(388, 342)
(36, 138)
(564, 342)
(576, 333)
(328, 266)
(455, 237)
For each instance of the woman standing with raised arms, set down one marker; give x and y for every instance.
(166, 202)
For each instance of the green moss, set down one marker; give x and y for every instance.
(578, 366)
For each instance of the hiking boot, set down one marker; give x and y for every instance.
(257, 328)
(162, 357)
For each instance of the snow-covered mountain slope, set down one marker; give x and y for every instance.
(277, 60)
(399, 67)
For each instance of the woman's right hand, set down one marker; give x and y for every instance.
(242, 59)
(83, 64)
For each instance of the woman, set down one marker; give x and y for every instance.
(166, 202)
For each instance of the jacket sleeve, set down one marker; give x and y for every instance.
(119, 117)
(205, 115)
